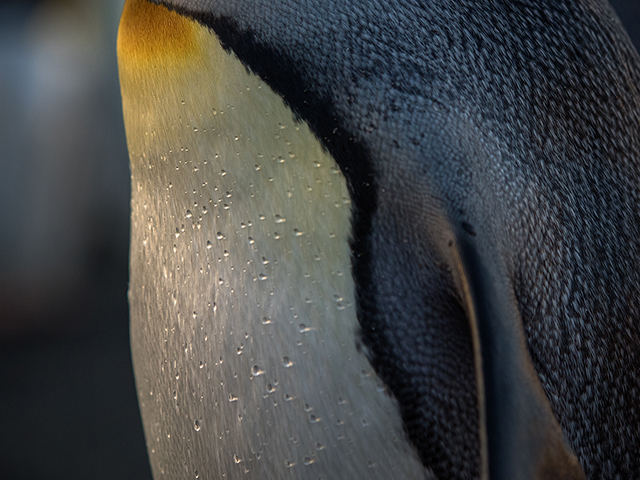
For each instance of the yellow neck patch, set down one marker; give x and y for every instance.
(153, 34)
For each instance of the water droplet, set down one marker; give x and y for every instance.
(219, 236)
(279, 219)
(264, 261)
(297, 232)
(209, 244)
(280, 159)
(251, 241)
(266, 320)
(289, 464)
(222, 173)
(319, 446)
(196, 425)
(313, 419)
(307, 408)
(232, 398)
(270, 388)
(204, 209)
(236, 459)
(189, 214)
(262, 276)
(307, 461)
(287, 397)
(302, 328)
(286, 362)
(256, 371)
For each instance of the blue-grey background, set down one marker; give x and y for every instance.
(68, 408)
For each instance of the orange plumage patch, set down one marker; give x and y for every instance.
(152, 34)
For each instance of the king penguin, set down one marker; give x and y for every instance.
(384, 238)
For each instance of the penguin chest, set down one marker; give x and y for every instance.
(243, 319)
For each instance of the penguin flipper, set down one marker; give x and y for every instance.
(520, 437)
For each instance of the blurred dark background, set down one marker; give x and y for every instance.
(68, 407)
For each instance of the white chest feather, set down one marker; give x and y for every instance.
(243, 316)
